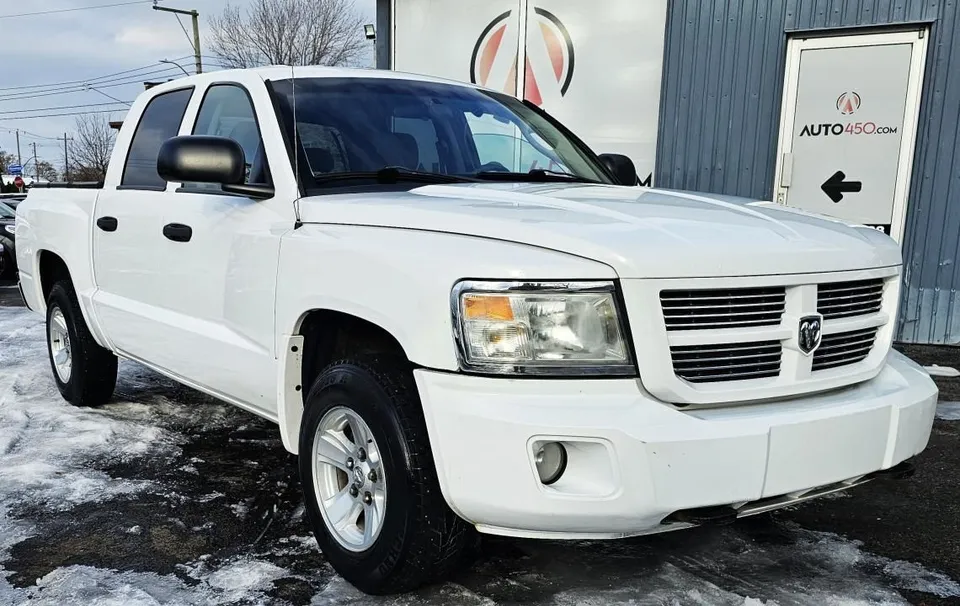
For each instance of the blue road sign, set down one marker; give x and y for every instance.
(15, 169)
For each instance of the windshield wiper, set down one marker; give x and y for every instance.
(537, 175)
(393, 174)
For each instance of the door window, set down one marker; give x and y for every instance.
(160, 121)
(226, 111)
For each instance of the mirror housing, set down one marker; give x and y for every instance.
(621, 167)
(201, 159)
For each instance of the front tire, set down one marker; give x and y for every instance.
(370, 486)
(85, 372)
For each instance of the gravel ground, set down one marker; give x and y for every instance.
(166, 496)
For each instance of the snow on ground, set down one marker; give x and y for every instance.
(70, 476)
(948, 411)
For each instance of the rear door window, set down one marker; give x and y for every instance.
(160, 121)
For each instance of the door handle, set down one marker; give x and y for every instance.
(107, 223)
(178, 232)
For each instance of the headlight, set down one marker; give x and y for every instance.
(567, 328)
(11, 229)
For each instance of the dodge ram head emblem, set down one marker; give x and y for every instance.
(808, 337)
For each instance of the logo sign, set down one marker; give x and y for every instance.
(809, 334)
(15, 169)
(848, 103)
(549, 57)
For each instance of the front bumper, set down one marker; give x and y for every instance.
(634, 461)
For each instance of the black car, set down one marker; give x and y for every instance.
(12, 200)
(8, 241)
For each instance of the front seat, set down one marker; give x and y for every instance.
(404, 151)
(248, 136)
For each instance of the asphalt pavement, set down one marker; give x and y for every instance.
(167, 496)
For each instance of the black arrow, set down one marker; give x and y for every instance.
(835, 186)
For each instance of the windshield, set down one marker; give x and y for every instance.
(362, 125)
(6, 212)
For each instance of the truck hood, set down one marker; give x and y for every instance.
(640, 232)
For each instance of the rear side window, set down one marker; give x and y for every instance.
(160, 121)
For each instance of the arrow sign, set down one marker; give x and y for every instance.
(836, 186)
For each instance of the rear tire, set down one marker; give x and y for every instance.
(85, 372)
(419, 540)
(7, 269)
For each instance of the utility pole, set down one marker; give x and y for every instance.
(19, 159)
(66, 159)
(195, 17)
(36, 166)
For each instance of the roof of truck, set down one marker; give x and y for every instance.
(283, 72)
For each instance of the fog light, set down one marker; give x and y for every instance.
(551, 462)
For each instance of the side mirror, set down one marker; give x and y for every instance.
(207, 159)
(621, 167)
(201, 159)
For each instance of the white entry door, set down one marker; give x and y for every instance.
(849, 125)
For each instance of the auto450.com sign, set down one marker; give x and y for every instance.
(848, 104)
(853, 128)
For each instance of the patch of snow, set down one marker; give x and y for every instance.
(948, 411)
(47, 444)
(243, 578)
(941, 371)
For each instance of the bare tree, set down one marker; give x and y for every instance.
(289, 32)
(45, 170)
(91, 148)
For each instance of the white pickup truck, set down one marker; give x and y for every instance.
(462, 319)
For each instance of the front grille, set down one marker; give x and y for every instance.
(844, 348)
(722, 308)
(727, 362)
(847, 299)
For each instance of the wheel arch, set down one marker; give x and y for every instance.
(320, 336)
(51, 268)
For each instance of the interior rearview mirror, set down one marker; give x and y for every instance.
(621, 167)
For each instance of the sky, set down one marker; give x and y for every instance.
(70, 47)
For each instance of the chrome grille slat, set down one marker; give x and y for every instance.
(724, 315)
(843, 349)
(696, 362)
(831, 289)
(849, 299)
(669, 305)
(707, 349)
(722, 308)
(853, 353)
(740, 376)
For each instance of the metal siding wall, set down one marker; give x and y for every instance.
(720, 114)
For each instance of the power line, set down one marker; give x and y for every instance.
(44, 109)
(10, 131)
(102, 111)
(76, 8)
(79, 88)
(88, 80)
